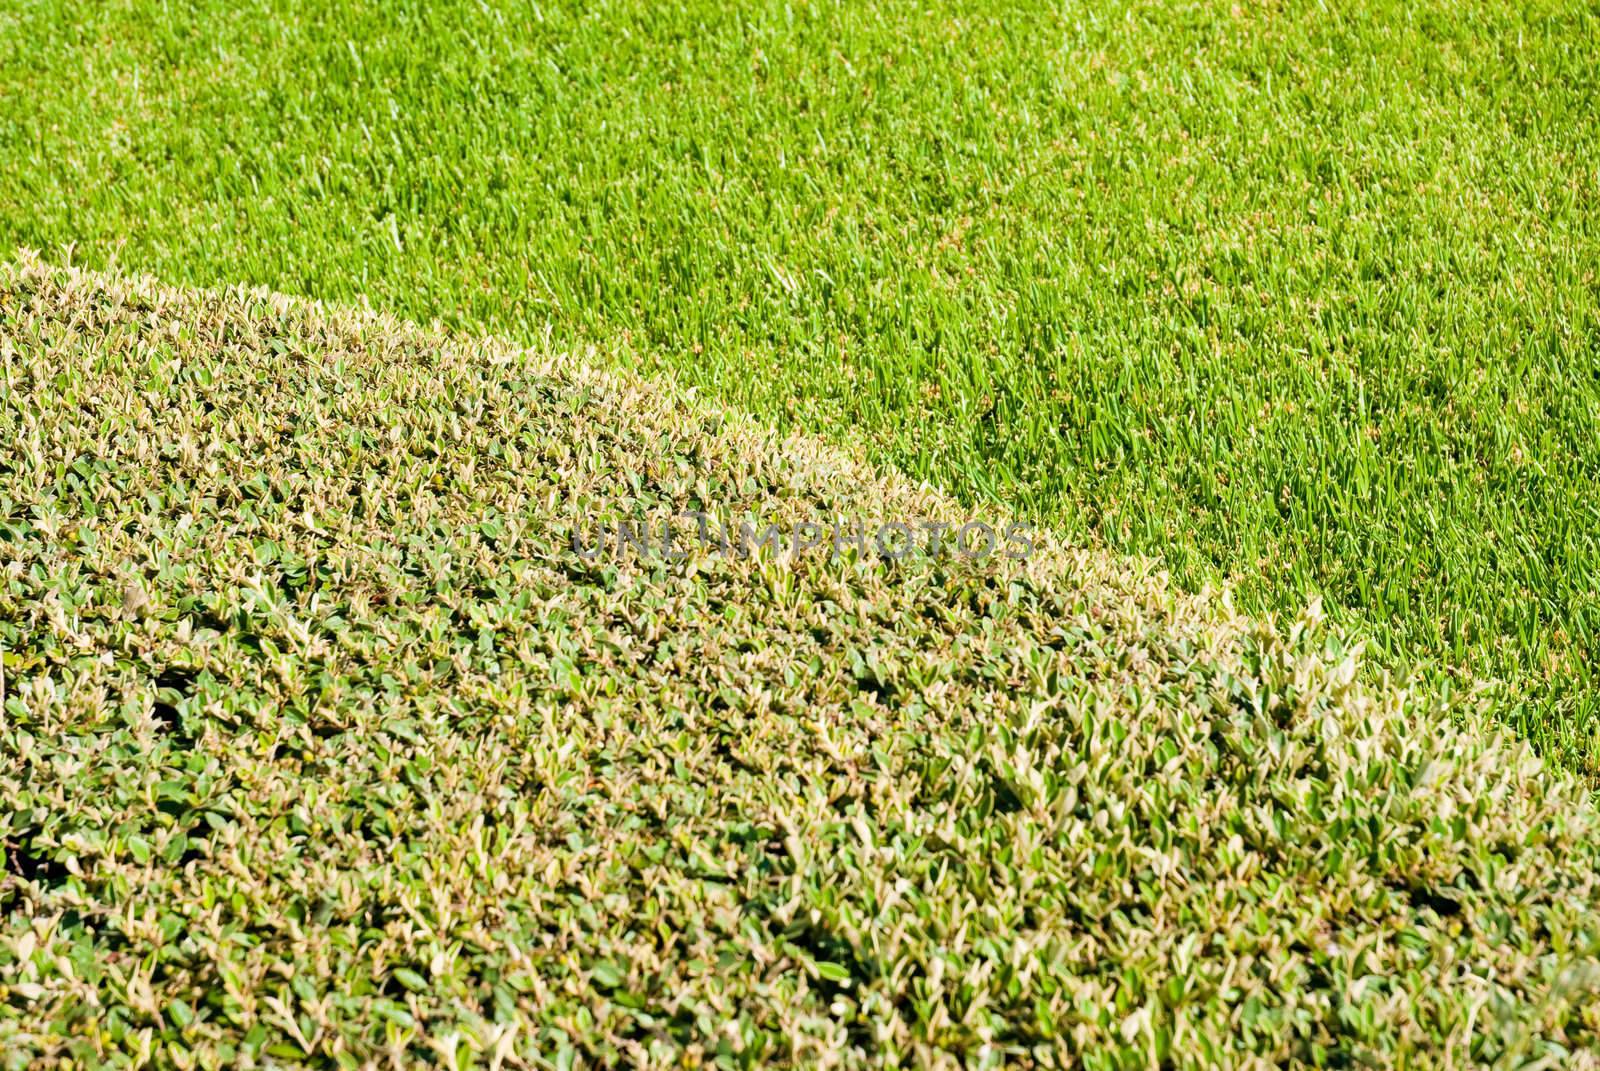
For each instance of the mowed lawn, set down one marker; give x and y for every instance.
(1302, 296)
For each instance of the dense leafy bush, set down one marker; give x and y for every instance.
(320, 746)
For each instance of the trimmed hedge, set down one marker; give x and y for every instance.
(321, 746)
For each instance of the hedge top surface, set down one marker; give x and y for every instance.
(322, 745)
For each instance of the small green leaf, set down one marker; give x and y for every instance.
(411, 979)
(834, 972)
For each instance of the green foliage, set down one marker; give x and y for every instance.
(1297, 295)
(320, 747)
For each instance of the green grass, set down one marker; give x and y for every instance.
(1301, 295)
(320, 748)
